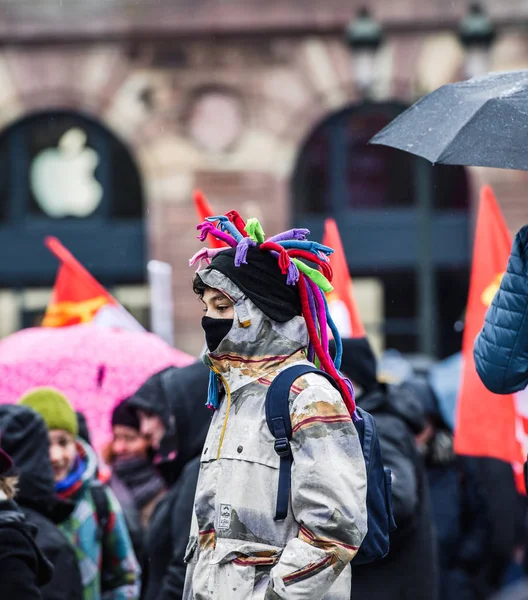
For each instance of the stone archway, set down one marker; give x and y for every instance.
(395, 214)
(68, 176)
(99, 81)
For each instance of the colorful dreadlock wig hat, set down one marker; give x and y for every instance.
(273, 274)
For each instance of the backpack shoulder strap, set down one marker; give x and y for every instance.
(102, 509)
(279, 424)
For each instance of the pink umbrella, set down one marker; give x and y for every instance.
(94, 366)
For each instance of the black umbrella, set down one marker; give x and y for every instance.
(480, 122)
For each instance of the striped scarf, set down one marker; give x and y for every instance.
(72, 483)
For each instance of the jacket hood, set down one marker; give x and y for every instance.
(152, 397)
(92, 463)
(84, 433)
(178, 396)
(10, 512)
(399, 400)
(25, 438)
(256, 344)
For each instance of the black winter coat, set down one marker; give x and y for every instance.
(505, 528)
(132, 516)
(462, 526)
(23, 568)
(25, 439)
(168, 535)
(178, 397)
(66, 582)
(408, 572)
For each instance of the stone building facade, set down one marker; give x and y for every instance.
(220, 95)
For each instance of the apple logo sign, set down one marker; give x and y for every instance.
(62, 178)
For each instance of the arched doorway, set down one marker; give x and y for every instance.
(403, 222)
(67, 175)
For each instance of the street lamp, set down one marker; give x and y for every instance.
(476, 32)
(364, 36)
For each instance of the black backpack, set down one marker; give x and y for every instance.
(379, 502)
(102, 510)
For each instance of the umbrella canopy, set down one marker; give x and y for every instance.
(480, 122)
(445, 378)
(95, 367)
(393, 367)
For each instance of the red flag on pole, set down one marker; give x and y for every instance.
(486, 423)
(78, 297)
(342, 281)
(204, 211)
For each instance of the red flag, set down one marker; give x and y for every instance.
(77, 296)
(204, 211)
(342, 281)
(486, 423)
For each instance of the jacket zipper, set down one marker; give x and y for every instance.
(224, 426)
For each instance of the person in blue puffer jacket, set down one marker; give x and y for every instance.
(501, 348)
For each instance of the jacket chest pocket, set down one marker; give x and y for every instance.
(247, 480)
(249, 439)
(250, 451)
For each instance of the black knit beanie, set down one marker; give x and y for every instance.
(262, 281)
(358, 362)
(125, 414)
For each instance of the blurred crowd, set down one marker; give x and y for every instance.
(115, 524)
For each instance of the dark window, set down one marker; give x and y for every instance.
(378, 196)
(67, 175)
(48, 137)
(452, 287)
(339, 170)
(400, 303)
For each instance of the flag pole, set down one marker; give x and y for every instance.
(161, 300)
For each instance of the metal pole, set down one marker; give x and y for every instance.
(338, 170)
(423, 186)
(161, 300)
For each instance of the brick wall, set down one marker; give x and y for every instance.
(135, 18)
(278, 86)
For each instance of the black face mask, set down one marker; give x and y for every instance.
(215, 331)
